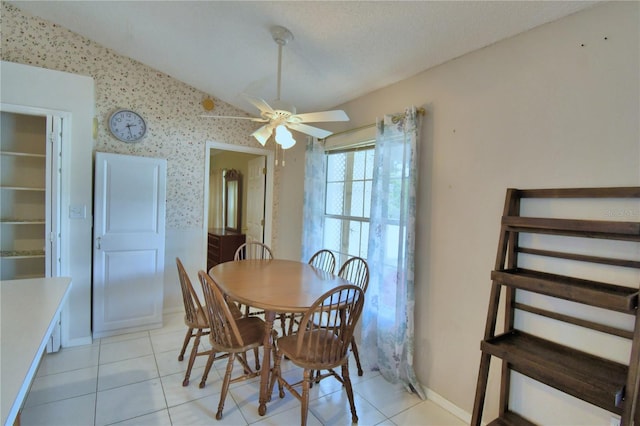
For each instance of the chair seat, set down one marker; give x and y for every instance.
(251, 331)
(312, 359)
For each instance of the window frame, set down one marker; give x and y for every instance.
(343, 252)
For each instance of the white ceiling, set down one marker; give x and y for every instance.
(341, 49)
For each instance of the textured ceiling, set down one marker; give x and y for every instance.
(341, 49)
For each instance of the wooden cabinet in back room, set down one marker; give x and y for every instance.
(222, 245)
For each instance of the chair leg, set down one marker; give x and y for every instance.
(347, 385)
(354, 349)
(283, 318)
(275, 375)
(192, 358)
(304, 411)
(225, 384)
(185, 344)
(255, 354)
(205, 374)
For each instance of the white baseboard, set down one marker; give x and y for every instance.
(110, 333)
(69, 343)
(173, 310)
(447, 405)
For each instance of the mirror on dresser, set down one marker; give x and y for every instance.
(233, 200)
(222, 243)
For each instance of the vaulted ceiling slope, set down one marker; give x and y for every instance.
(341, 49)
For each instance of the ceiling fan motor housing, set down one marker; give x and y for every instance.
(282, 108)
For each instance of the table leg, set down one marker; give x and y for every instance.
(269, 317)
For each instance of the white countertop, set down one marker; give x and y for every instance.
(28, 309)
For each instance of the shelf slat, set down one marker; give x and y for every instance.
(585, 376)
(22, 222)
(511, 419)
(22, 188)
(22, 154)
(21, 254)
(612, 192)
(616, 230)
(592, 293)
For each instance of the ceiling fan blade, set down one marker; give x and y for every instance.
(322, 116)
(309, 130)
(258, 119)
(261, 104)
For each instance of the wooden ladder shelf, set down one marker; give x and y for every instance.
(610, 385)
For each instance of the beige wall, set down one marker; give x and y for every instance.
(536, 110)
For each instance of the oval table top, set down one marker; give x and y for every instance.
(275, 285)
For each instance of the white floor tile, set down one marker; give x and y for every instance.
(288, 417)
(123, 337)
(129, 401)
(203, 412)
(56, 387)
(426, 413)
(77, 411)
(177, 394)
(158, 418)
(168, 362)
(136, 379)
(334, 409)
(172, 341)
(68, 359)
(126, 349)
(247, 397)
(126, 372)
(388, 398)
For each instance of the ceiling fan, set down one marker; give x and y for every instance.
(280, 116)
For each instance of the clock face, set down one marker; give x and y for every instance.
(127, 125)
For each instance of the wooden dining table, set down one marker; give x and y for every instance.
(275, 286)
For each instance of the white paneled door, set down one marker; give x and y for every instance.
(255, 199)
(129, 239)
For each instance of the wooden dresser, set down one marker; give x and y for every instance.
(222, 245)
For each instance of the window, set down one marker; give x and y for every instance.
(348, 202)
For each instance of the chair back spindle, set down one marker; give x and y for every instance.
(189, 296)
(356, 271)
(253, 250)
(323, 259)
(225, 334)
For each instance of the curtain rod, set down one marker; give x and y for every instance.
(419, 111)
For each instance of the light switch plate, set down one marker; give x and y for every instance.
(77, 212)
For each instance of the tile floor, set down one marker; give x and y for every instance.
(136, 379)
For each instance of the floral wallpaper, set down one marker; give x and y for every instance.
(171, 108)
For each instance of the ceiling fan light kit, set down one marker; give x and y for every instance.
(281, 117)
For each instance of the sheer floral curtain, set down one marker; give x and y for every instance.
(313, 209)
(387, 320)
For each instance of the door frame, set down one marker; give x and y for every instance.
(269, 184)
(59, 228)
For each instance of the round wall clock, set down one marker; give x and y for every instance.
(127, 125)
